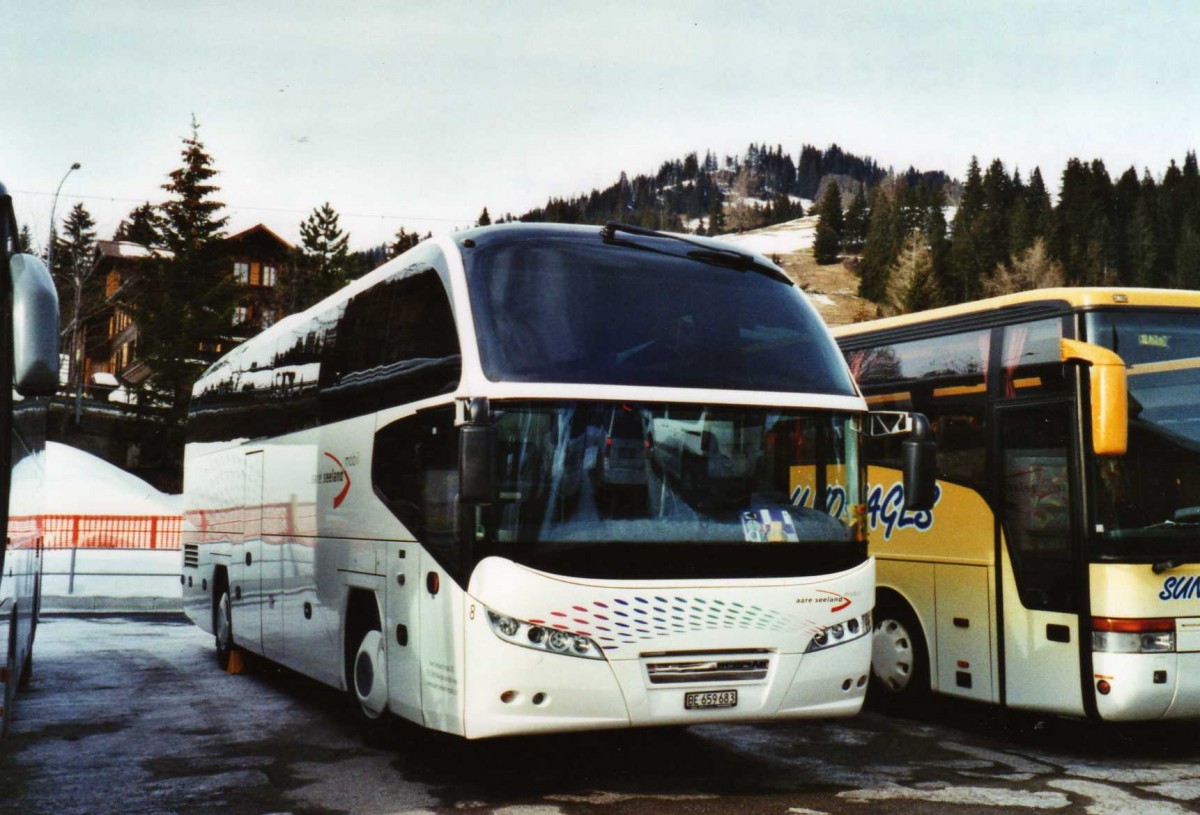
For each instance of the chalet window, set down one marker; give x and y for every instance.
(270, 276)
(240, 315)
(268, 317)
(241, 272)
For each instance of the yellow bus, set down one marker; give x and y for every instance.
(1059, 569)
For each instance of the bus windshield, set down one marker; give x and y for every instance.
(1151, 496)
(580, 473)
(575, 309)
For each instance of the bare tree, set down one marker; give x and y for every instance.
(911, 285)
(1031, 269)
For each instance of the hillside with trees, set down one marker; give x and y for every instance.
(716, 195)
(1006, 234)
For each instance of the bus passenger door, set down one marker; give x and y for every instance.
(247, 558)
(1039, 561)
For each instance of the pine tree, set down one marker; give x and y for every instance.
(828, 238)
(183, 302)
(1187, 258)
(716, 217)
(882, 245)
(404, 241)
(967, 264)
(141, 226)
(79, 295)
(484, 218)
(321, 265)
(1143, 245)
(854, 228)
(25, 240)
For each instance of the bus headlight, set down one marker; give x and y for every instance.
(542, 638)
(1133, 636)
(839, 633)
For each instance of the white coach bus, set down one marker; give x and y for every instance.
(402, 492)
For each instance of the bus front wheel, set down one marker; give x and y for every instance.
(369, 675)
(366, 677)
(899, 657)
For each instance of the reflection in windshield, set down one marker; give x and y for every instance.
(583, 472)
(1152, 491)
(576, 309)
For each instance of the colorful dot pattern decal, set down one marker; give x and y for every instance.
(638, 619)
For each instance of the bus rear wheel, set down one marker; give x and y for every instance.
(223, 626)
(899, 657)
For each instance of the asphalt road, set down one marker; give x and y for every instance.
(131, 715)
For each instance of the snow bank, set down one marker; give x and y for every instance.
(78, 483)
(780, 239)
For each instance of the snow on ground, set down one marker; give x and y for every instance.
(780, 239)
(78, 483)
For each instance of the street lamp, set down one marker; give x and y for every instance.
(53, 206)
(50, 265)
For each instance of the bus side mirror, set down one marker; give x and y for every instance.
(919, 453)
(1109, 395)
(35, 327)
(477, 456)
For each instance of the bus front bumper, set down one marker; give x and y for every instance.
(528, 692)
(1142, 687)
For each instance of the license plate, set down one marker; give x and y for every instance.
(698, 700)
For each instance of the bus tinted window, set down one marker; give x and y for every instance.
(579, 310)
(1032, 359)
(395, 342)
(957, 356)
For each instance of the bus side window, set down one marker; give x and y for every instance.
(414, 470)
(1031, 358)
(395, 342)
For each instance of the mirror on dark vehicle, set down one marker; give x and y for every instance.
(476, 465)
(35, 327)
(920, 466)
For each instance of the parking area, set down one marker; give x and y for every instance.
(129, 714)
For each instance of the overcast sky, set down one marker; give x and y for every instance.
(420, 114)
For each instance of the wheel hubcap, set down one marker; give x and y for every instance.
(370, 675)
(892, 655)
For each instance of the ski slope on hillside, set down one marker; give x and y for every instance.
(780, 239)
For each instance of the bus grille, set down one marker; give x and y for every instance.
(701, 670)
(191, 556)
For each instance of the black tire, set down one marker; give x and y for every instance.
(223, 625)
(899, 657)
(363, 682)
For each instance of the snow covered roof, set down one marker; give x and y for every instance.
(129, 249)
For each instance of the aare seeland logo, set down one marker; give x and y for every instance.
(338, 476)
(836, 601)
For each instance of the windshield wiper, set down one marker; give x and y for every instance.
(704, 252)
